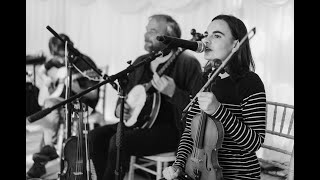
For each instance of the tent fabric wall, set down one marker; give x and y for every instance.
(111, 32)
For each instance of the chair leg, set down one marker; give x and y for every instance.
(291, 167)
(131, 168)
(159, 169)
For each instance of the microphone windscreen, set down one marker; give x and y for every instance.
(38, 115)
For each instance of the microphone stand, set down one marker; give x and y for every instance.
(123, 82)
(122, 79)
(121, 76)
(68, 111)
(74, 53)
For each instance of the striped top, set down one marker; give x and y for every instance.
(243, 115)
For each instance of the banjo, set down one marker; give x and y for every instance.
(145, 106)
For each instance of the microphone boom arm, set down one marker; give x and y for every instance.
(109, 79)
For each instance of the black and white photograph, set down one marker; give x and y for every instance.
(159, 89)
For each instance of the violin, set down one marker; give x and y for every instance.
(207, 135)
(77, 164)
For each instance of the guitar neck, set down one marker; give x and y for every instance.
(148, 85)
(88, 74)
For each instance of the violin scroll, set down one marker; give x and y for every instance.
(196, 36)
(210, 66)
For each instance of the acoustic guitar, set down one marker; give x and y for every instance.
(58, 77)
(55, 88)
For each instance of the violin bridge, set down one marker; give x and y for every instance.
(196, 160)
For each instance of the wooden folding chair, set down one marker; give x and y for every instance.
(160, 161)
(280, 126)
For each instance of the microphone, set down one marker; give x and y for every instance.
(197, 46)
(38, 115)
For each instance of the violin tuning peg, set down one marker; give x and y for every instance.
(193, 32)
(217, 63)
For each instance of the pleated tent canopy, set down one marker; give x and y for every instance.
(111, 32)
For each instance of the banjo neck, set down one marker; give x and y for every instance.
(148, 85)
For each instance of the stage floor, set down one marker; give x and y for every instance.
(33, 141)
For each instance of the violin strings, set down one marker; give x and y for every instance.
(79, 150)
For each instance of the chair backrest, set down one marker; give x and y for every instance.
(282, 115)
(279, 139)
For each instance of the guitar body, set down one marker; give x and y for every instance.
(54, 89)
(144, 107)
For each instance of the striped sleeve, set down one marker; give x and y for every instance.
(249, 132)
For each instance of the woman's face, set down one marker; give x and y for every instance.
(219, 41)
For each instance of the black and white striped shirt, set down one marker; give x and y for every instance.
(243, 115)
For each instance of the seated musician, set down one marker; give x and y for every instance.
(50, 123)
(237, 100)
(178, 81)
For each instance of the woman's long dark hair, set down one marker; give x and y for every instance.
(241, 62)
(56, 44)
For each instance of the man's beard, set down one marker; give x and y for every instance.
(154, 47)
